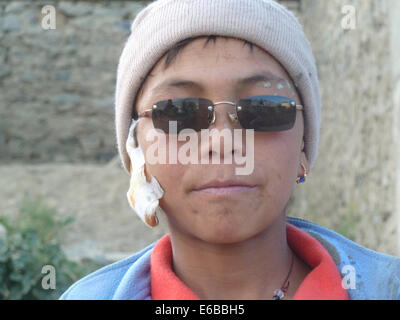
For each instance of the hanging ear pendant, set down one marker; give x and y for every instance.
(143, 196)
(303, 178)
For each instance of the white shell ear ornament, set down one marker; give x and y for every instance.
(142, 196)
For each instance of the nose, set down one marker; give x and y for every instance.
(222, 125)
(232, 116)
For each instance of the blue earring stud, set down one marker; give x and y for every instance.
(303, 178)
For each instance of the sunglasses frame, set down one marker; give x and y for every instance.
(233, 117)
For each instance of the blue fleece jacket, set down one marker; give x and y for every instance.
(377, 275)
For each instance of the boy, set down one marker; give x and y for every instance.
(227, 65)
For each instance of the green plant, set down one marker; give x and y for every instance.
(28, 242)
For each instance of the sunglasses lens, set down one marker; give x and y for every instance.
(267, 113)
(189, 113)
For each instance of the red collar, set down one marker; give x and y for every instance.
(322, 283)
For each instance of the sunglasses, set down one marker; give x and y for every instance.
(260, 113)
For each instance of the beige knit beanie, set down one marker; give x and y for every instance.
(163, 23)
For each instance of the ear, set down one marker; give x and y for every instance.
(304, 161)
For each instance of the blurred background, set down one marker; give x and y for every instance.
(62, 187)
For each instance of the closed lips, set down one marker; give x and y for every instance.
(224, 186)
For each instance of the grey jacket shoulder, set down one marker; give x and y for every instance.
(376, 275)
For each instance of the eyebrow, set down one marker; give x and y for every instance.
(248, 80)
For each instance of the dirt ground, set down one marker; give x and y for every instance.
(95, 195)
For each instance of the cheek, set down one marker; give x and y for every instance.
(275, 159)
(173, 202)
(169, 176)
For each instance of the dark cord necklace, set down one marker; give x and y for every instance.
(279, 294)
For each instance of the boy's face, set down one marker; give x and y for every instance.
(240, 215)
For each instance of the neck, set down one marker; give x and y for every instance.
(251, 269)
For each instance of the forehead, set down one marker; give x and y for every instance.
(221, 54)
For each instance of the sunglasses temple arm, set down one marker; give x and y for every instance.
(145, 114)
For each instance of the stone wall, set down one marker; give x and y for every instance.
(57, 86)
(352, 187)
(57, 93)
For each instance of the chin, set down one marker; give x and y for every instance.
(225, 233)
